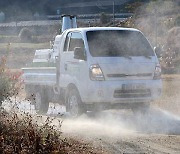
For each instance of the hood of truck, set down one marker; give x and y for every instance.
(121, 68)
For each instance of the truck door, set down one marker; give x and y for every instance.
(73, 70)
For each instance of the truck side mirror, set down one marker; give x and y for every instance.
(79, 53)
(157, 51)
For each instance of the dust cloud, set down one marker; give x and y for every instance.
(110, 123)
(119, 123)
(99, 125)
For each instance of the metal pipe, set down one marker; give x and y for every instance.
(113, 14)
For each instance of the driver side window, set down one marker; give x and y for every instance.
(73, 40)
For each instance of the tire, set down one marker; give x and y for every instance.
(41, 103)
(74, 104)
(141, 109)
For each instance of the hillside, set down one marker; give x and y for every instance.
(26, 10)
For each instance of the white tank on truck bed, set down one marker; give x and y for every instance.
(42, 55)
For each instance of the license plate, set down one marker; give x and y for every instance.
(133, 86)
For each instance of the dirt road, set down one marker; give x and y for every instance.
(132, 144)
(119, 131)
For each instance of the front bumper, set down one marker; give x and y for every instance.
(104, 92)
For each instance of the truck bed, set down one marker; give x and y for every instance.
(40, 75)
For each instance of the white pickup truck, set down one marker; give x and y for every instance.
(97, 68)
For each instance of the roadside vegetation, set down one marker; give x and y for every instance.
(9, 81)
(24, 134)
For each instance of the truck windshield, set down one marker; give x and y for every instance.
(118, 43)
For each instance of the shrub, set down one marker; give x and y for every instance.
(21, 135)
(24, 134)
(9, 81)
(4, 88)
(25, 35)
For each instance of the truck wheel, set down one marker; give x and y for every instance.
(41, 103)
(74, 104)
(141, 109)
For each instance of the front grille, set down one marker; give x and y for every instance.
(129, 75)
(132, 93)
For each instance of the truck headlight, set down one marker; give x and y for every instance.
(96, 73)
(157, 72)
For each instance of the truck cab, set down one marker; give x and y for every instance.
(109, 67)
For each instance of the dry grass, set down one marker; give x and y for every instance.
(23, 134)
(20, 54)
(3, 46)
(169, 77)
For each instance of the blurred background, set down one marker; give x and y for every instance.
(26, 26)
